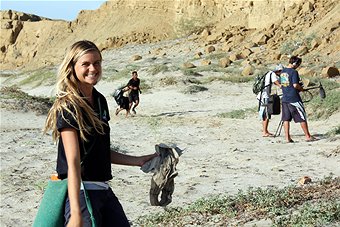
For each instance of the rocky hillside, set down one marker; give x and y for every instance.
(256, 31)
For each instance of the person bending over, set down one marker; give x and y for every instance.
(270, 78)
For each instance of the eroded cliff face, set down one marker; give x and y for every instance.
(30, 42)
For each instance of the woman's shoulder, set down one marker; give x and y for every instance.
(96, 93)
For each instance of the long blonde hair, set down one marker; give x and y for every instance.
(69, 98)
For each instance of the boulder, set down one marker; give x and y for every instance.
(224, 62)
(305, 180)
(205, 62)
(234, 57)
(330, 72)
(248, 70)
(245, 53)
(210, 49)
(307, 72)
(260, 39)
(307, 7)
(188, 65)
(198, 55)
(136, 57)
(302, 50)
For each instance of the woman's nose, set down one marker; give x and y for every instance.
(92, 67)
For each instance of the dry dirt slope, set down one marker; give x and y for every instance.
(27, 39)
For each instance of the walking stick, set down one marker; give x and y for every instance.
(278, 130)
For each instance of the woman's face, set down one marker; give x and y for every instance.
(88, 68)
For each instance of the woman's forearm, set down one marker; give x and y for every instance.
(71, 146)
(123, 159)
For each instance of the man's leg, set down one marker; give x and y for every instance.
(265, 131)
(304, 127)
(286, 126)
(134, 107)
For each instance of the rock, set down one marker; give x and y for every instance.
(226, 47)
(234, 57)
(306, 72)
(260, 39)
(245, 53)
(188, 65)
(6, 25)
(205, 62)
(198, 55)
(315, 43)
(305, 180)
(3, 49)
(136, 57)
(213, 38)
(302, 50)
(248, 70)
(307, 7)
(330, 72)
(210, 49)
(276, 56)
(224, 62)
(205, 33)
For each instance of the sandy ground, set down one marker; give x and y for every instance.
(222, 155)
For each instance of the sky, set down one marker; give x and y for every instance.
(62, 9)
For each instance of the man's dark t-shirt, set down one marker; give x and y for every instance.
(134, 83)
(288, 77)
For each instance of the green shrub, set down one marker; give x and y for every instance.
(155, 69)
(191, 89)
(314, 205)
(229, 78)
(237, 114)
(144, 86)
(44, 76)
(289, 46)
(169, 80)
(190, 26)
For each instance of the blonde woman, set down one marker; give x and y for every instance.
(79, 122)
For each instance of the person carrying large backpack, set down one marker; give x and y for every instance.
(271, 77)
(123, 102)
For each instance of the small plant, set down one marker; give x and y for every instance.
(144, 86)
(335, 131)
(237, 114)
(289, 206)
(40, 77)
(300, 39)
(116, 75)
(155, 69)
(229, 78)
(194, 89)
(319, 108)
(288, 47)
(217, 56)
(323, 108)
(169, 80)
(190, 72)
(119, 74)
(187, 27)
(14, 98)
(311, 214)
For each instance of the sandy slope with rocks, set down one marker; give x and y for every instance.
(222, 155)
